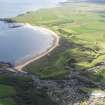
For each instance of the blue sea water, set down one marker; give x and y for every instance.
(21, 43)
(10, 8)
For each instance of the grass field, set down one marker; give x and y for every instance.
(20, 91)
(7, 101)
(6, 94)
(6, 91)
(82, 33)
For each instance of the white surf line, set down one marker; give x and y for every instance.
(54, 45)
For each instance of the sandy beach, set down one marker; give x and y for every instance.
(38, 56)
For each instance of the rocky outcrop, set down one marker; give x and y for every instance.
(97, 97)
(69, 91)
(7, 20)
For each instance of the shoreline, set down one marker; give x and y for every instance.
(55, 43)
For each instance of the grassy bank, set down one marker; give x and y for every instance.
(82, 44)
(20, 91)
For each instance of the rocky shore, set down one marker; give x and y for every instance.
(7, 20)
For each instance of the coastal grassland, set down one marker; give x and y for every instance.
(6, 94)
(15, 90)
(6, 90)
(7, 101)
(83, 44)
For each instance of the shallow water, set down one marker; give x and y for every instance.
(10, 8)
(20, 42)
(17, 44)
